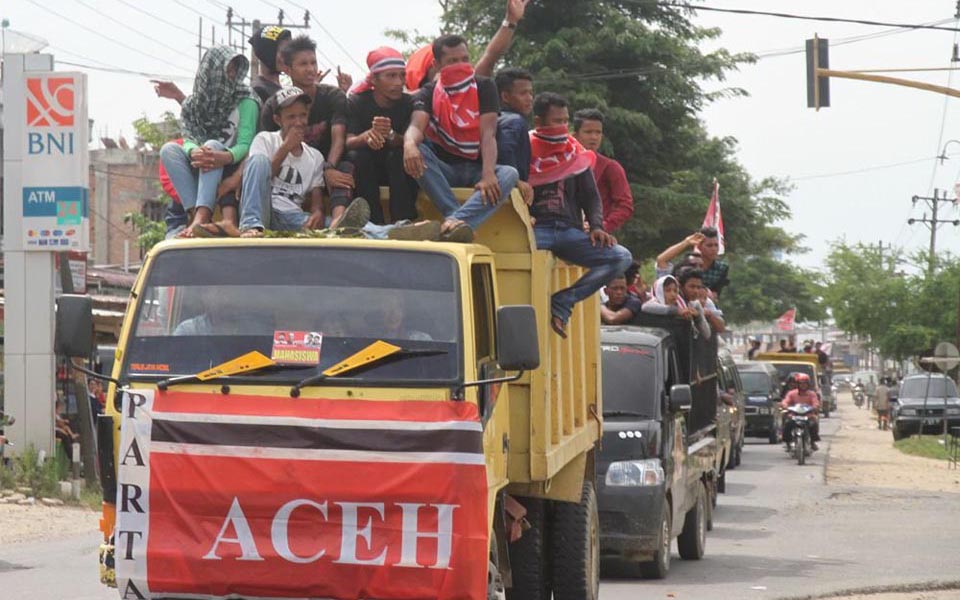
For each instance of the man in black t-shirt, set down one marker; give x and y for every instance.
(326, 123)
(452, 142)
(379, 115)
(621, 306)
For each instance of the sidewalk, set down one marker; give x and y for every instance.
(862, 455)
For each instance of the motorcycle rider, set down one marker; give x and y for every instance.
(858, 392)
(802, 395)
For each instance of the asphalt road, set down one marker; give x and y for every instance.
(779, 532)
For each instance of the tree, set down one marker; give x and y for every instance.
(152, 136)
(762, 289)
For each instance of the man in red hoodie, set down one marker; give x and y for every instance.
(609, 174)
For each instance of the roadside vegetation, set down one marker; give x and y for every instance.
(42, 478)
(928, 446)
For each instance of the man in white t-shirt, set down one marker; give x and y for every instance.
(282, 174)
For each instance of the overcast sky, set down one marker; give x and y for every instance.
(869, 127)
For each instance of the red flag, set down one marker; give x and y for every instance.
(786, 320)
(714, 218)
(294, 498)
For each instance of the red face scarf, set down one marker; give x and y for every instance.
(455, 123)
(556, 155)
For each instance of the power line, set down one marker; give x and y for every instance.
(326, 31)
(158, 18)
(943, 118)
(101, 35)
(778, 52)
(740, 11)
(863, 170)
(138, 32)
(122, 71)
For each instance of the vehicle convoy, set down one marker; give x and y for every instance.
(923, 404)
(761, 385)
(657, 467)
(350, 418)
(801, 362)
(734, 404)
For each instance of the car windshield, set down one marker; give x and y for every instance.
(939, 388)
(204, 306)
(786, 370)
(629, 379)
(755, 383)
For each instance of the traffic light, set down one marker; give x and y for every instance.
(818, 87)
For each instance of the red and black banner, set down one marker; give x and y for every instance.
(264, 497)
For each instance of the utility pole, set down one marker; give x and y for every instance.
(880, 250)
(933, 223)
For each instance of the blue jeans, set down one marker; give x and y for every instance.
(440, 178)
(256, 206)
(195, 188)
(573, 245)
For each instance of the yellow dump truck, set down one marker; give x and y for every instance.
(350, 418)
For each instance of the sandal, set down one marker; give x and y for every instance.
(200, 231)
(558, 326)
(355, 216)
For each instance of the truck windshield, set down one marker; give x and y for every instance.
(629, 380)
(200, 307)
(755, 384)
(788, 369)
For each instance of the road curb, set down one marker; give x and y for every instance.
(929, 586)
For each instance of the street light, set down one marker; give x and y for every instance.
(943, 153)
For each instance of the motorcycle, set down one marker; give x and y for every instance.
(859, 397)
(799, 442)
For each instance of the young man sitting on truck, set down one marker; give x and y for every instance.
(282, 173)
(457, 115)
(326, 129)
(513, 132)
(615, 192)
(563, 191)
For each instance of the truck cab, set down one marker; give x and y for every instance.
(657, 466)
(348, 418)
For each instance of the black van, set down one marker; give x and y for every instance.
(761, 384)
(656, 467)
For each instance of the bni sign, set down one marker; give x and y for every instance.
(55, 163)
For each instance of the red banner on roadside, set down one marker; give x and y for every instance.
(262, 497)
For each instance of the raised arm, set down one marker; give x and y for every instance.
(501, 41)
(664, 258)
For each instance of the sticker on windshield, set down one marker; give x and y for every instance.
(296, 347)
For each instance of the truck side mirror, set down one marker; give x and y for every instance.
(681, 397)
(74, 326)
(518, 348)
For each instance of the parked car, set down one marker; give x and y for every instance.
(761, 385)
(730, 383)
(924, 402)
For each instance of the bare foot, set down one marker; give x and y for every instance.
(450, 224)
(251, 233)
(225, 228)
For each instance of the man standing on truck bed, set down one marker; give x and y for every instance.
(563, 190)
(452, 142)
(611, 179)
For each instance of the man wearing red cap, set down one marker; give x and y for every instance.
(802, 395)
(379, 114)
(563, 191)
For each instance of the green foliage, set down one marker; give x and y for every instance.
(29, 471)
(153, 134)
(925, 446)
(149, 232)
(902, 315)
(762, 289)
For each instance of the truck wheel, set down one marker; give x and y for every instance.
(575, 547)
(528, 556)
(495, 589)
(722, 482)
(773, 438)
(738, 453)
(897, 434)
(659, 566)
(693, 538)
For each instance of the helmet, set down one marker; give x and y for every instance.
(802, 378)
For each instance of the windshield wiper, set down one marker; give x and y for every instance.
(625, 413)
(373, 353)
(247, 363)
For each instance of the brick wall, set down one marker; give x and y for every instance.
(120, 182)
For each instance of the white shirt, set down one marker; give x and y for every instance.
(298, 175)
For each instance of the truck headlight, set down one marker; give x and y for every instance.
(909, 412)
(627, 473)
(953, 410)
(764, 410)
